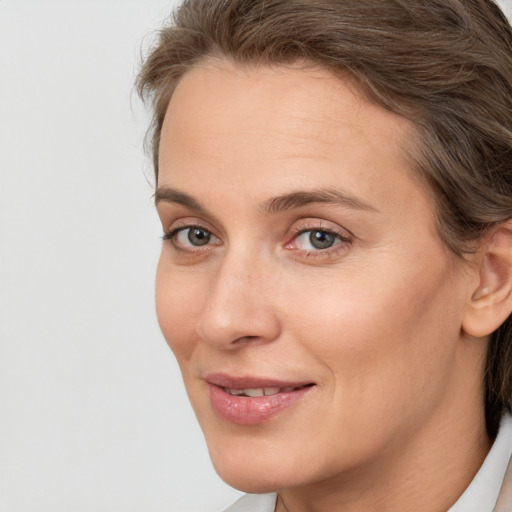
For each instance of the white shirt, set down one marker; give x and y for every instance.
(480, 496)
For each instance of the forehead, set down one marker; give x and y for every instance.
(298, 103)
(281, 128)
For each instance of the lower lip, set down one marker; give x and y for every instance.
(244, 410)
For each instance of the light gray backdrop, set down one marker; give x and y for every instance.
(93, 415)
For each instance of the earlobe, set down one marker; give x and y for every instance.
(491, 301)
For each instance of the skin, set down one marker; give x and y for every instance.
(395, 418)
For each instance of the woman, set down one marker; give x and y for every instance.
(334, 181)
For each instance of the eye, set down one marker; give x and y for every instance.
(317, 239)
(194, 236)
(188, 237)
(312, 240)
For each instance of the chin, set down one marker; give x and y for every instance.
(252, 479)
(252, 483)
(254, 469)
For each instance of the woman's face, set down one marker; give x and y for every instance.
(314, 311)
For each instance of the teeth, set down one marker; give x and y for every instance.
(255, 392)
(236, 392)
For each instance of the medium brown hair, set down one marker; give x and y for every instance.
(446, 65)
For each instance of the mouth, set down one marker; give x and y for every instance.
(252, 401)
(269, 391)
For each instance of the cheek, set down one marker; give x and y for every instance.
(177, 305)
(382, 331)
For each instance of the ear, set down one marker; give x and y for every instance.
(490, 303)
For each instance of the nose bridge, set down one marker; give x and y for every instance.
(238, 307)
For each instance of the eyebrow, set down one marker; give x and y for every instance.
(171, 195)
(327, 196)
(273, 205)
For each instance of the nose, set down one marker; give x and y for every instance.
(238, 307)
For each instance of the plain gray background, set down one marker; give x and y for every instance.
(93, 415)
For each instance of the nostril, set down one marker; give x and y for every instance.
(243, 339)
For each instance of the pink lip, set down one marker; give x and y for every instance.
(243, 410)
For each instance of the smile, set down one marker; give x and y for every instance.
(252, 401)
(255, 392)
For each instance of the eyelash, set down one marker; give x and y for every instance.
(172, 234)
(331, 251)
(296, 232)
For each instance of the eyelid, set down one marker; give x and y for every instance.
(309, 225)
(188, 222)
(193, 223)
(312, 224)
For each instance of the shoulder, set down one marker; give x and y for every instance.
(254, 503)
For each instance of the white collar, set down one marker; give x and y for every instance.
(482, 493)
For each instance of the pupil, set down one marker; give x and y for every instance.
(198, 236)
(321, 239)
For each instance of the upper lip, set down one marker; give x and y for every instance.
(249, 382)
